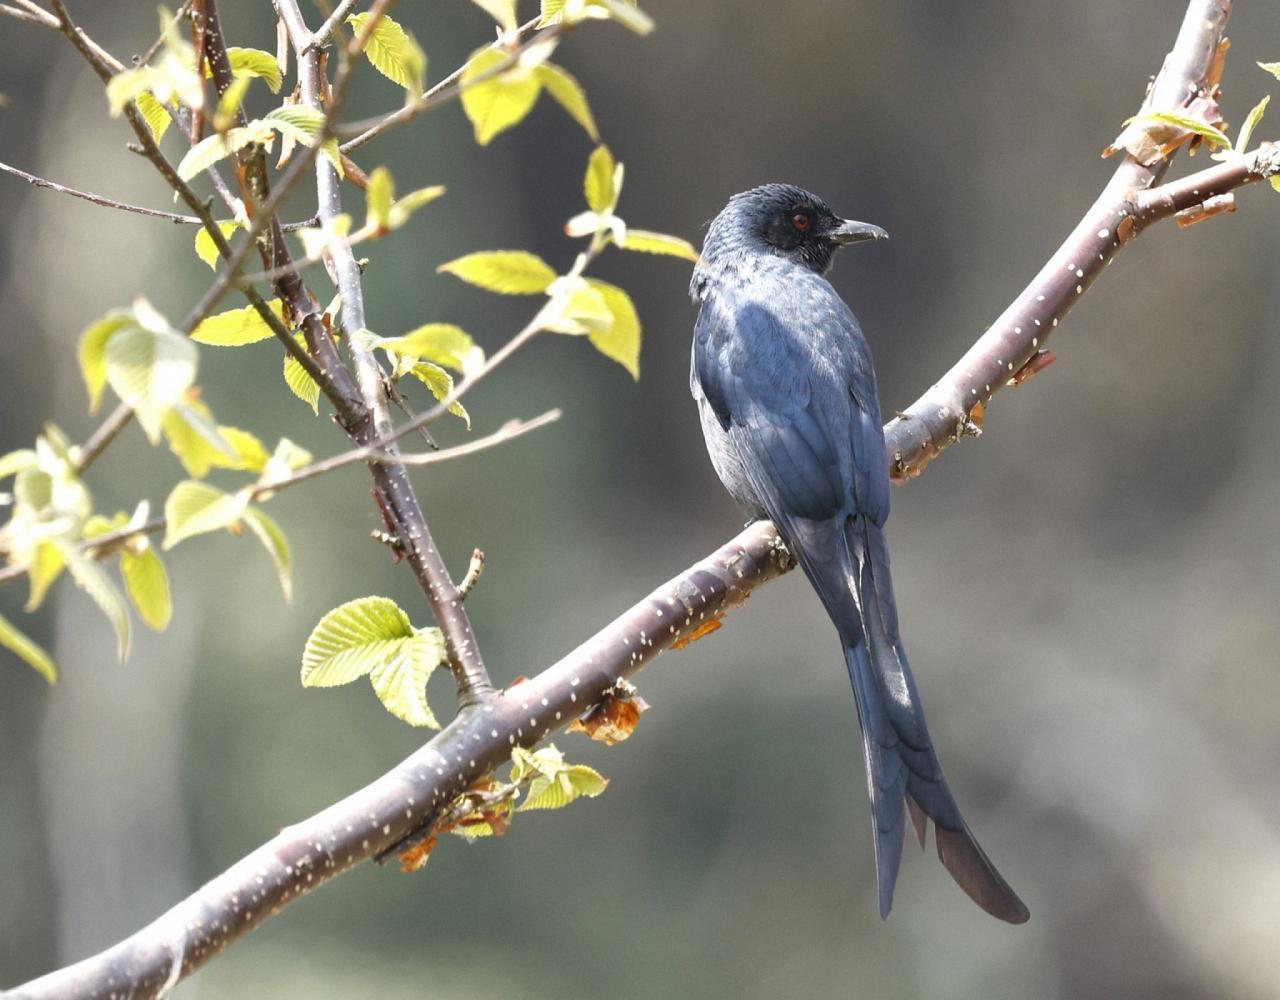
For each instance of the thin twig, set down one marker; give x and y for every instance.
(322, 34)
(150, 54)
(30, 13)
(102, 437)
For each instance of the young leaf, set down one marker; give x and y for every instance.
(603, 181)
(154, 114)
(1273, 68)
(1194, 125)
(400, 682)
(303, 125)
(44, 567)
(647, 242)
(352, 640)
(621, 340)
(205, 248)
(569, 94)
(508, 272)
(394, 52)
(498, 102)
(1251, 123)
(627, 14)
(237, 327)
(403, 208)
(92, 352)
(378, 197)
(150, 370)
(18, 643)
(90, 577)
(502, 11)
(196, 508)
(576, 308)
(253, 62)
(277, 545)
(225, 115)
(148, 585)
(211, 149)
(443, 343)
(14, 462)
(194, 439)
(301, 384)
(440, 382)
(248, 454)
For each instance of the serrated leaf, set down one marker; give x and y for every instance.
(147, 583)
(440, 382)
(502, 11)
(299, 382)
(378, 197)
(273, 539)
(206, 250)
(248, 454)
(196, 508)
(150, 370)
(647, 242)
(17, 643)
(93, 580)
(128, 84)
(303, 125)
(569, 94)
(576, 308)
(508, 272)
(621, 341)
(352, 640)
(14, 462)
(599, 183)
(208, 151)
(92, 352)
(44, 567)
(1194, 125)
(499, 102)
(393, 52)
(403, 208)
(155, 115)
(1251, 123)
(253, 62)
(443, 343)
(400, 682)
(237, 327)
(193, 437)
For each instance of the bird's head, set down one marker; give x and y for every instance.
(786, 221)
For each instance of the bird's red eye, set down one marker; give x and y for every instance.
(802, 221)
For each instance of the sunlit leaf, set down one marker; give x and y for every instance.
(378, 197)
(621, 340)
(1186, 122)
(502, 11)
(353, 639)
(603, 181)
(196, 508)
(393, 52)
(17, 643)
(403, 208)
(237, 327)
(251, 63)
(45, 566)
(625, 12)
(299, 382)
(1251, 123)
(208, 151)
(154, 114)
(92, 352)
(93, 580)
(273, 539)
(15, 461)
(150, 370)
(569, 94)
(509, 272)
(1272, 67)
(248, 453)
(206, 250)
(440, 382)
(443, 343)
(647, 242)
(400, 681)
(576, 308)
(498, 102)
(303, 125)
(148, 585)
(192, 433)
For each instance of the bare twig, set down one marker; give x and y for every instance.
(106, 433)
(31, 13)
(325, 31)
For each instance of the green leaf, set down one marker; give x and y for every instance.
(400, 682)
(554, 783)
(18, 643)
(440, 382)
(208, 151)
(274, 541)
(508, 272)
(148, 585)
(647, 242)
(303, 125)
(193, 438)
(206, 250)
(625, 12)
(353, 639)
(196, 508)
(14, 462)
(394, 52)
(253, 62)
(1193, 125)
(569, 94)
(378, 197)
(288, 457)
(1273, 68)
(237, 327)
(93, 580)
(92, 352)
(576, 308)
(229, 104)
(248, 454)
(502, 11)
(621, 341)
(603, 182)
(1274, 180)
(443, 343)
(155, 115)
(301, 384)
(45, 566)
(1251, 123)
(150, 370)
(402, 209)
(499, 102)
(128, 84)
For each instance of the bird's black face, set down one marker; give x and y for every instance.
(792, 223)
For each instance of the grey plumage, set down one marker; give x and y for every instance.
(787, 397)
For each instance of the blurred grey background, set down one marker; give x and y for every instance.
(1089, 592)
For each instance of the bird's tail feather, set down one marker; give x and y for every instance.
(904, 776)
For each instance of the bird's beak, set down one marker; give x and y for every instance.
(856, 232)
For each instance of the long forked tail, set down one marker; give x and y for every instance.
(848, 564)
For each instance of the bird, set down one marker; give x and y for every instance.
(789, 406)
